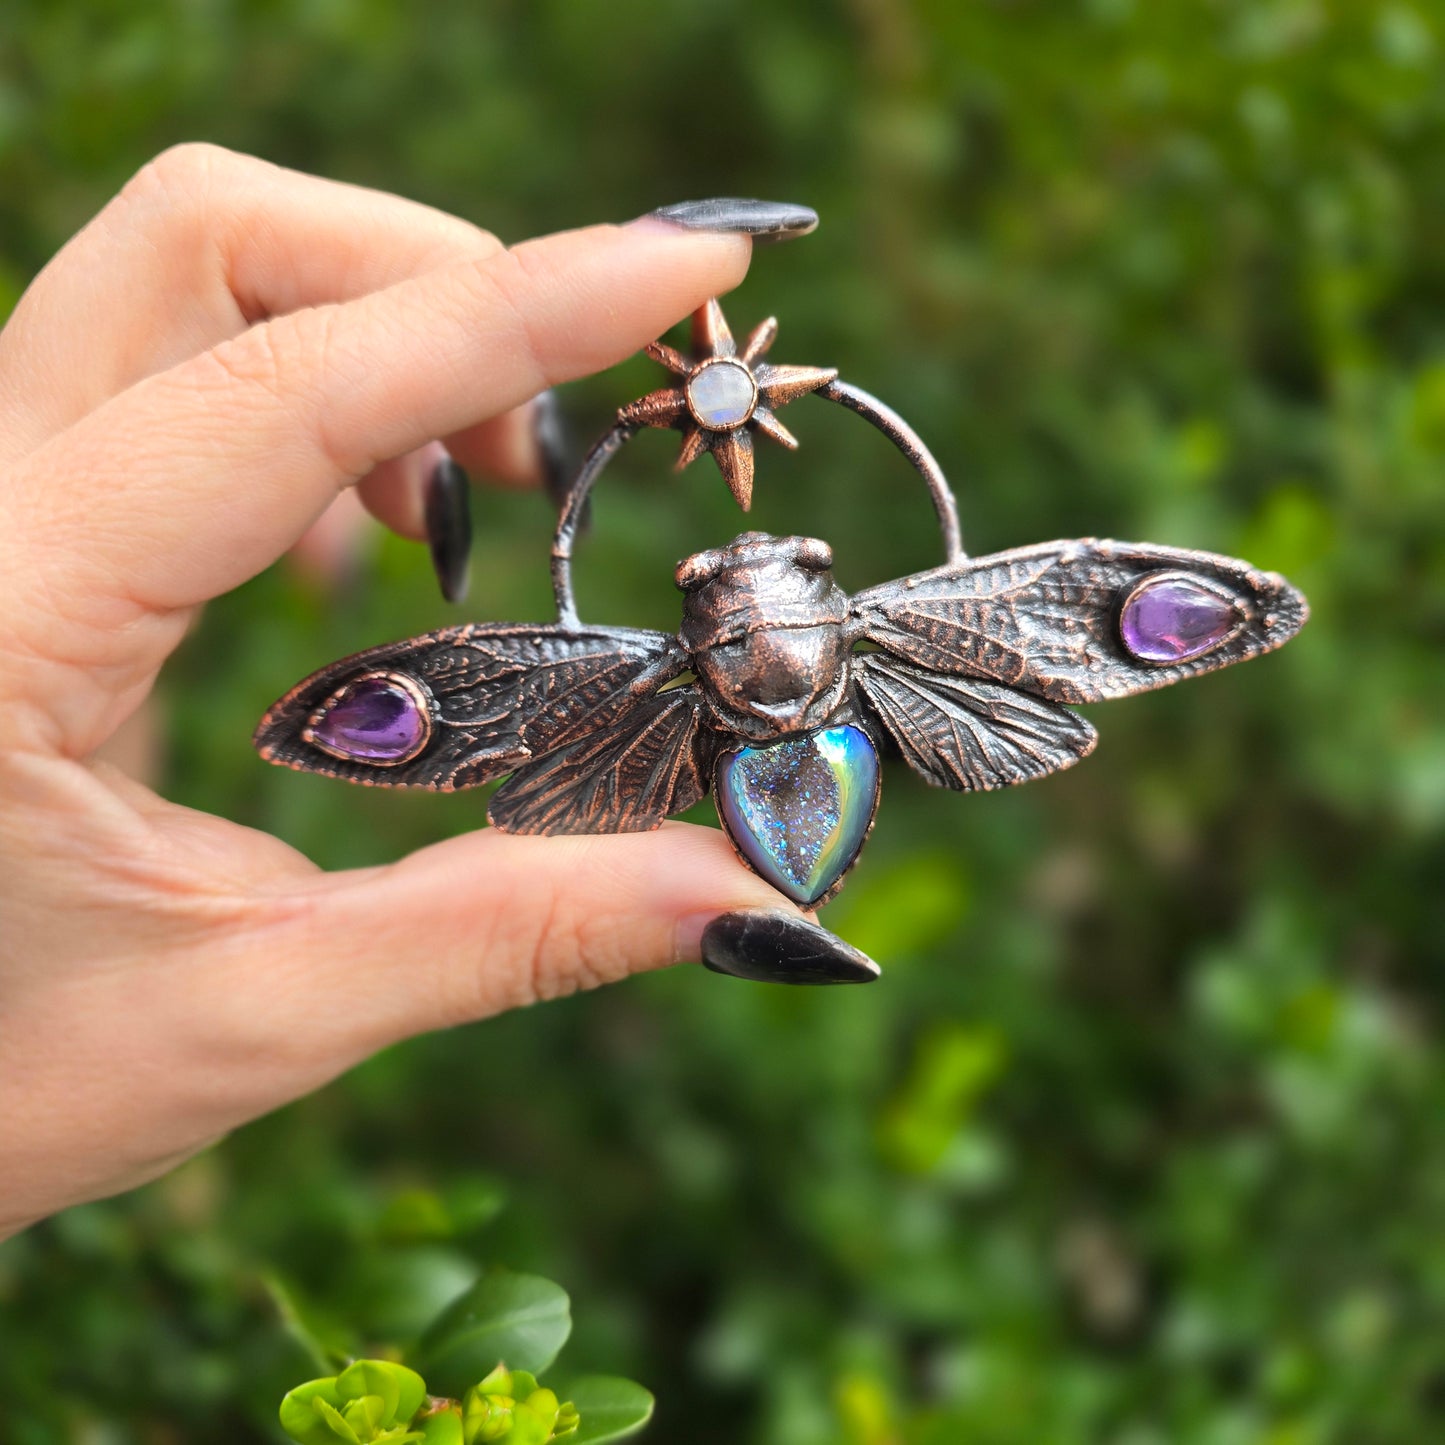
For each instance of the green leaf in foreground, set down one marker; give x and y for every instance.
(371, 1401)
(442, 1425)
(302, 1417)
(509, 1407)
(402, 1390)
(611, 1408)
(517, 1318)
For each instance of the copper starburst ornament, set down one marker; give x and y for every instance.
(725, 396)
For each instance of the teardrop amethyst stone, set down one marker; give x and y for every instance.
(1173, 618)
(372, 720)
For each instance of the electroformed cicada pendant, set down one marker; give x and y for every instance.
(966, 672)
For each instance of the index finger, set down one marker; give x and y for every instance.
(197, 478)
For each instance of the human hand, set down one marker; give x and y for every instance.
(185, 388)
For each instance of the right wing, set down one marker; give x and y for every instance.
(960, 733)
(1047, 619)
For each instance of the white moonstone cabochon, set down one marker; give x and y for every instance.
(722, 394)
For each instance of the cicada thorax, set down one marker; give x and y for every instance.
(765, 624)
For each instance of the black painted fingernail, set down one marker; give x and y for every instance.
(777, 947)
(449, 527)
(553, 447)
(764, 221)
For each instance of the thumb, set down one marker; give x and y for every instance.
(490, 921)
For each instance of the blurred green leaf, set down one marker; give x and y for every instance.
(326, 1340)
(906, 907)
(415, 1214)
(865, 1410)
(608, 1408)
(517, 1318)
(473, 1202)
(952, 1068)
(421, 1215)
(394, 1293)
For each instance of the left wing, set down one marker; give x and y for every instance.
(465, 705)
(1079, 621)
(575, 716)
(967, 735)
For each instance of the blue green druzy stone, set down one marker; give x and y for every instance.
(799, 809)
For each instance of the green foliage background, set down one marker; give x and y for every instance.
(1141, 1140)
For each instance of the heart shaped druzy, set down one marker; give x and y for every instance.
(799, 809)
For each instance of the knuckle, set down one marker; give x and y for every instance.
(488, 243)
(169, 177)
(457, 241)
(254, 359)
(557, 962)
(553, 946)
(182, 167)
(170, 197)
(580, 941)
(293, 362)
(281, 356)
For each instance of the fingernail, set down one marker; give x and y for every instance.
(449, 527)
(550, 432)
(776, 947)
(764, 221)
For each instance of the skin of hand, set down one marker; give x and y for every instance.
(185, 389)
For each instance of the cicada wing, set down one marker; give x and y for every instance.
(1080, 621)
(644, 764)
(464, 705)
(968, 735)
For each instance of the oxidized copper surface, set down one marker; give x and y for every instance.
(963, 671)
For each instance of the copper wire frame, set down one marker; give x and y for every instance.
(854, 398)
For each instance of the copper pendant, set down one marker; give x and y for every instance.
(797, 689)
